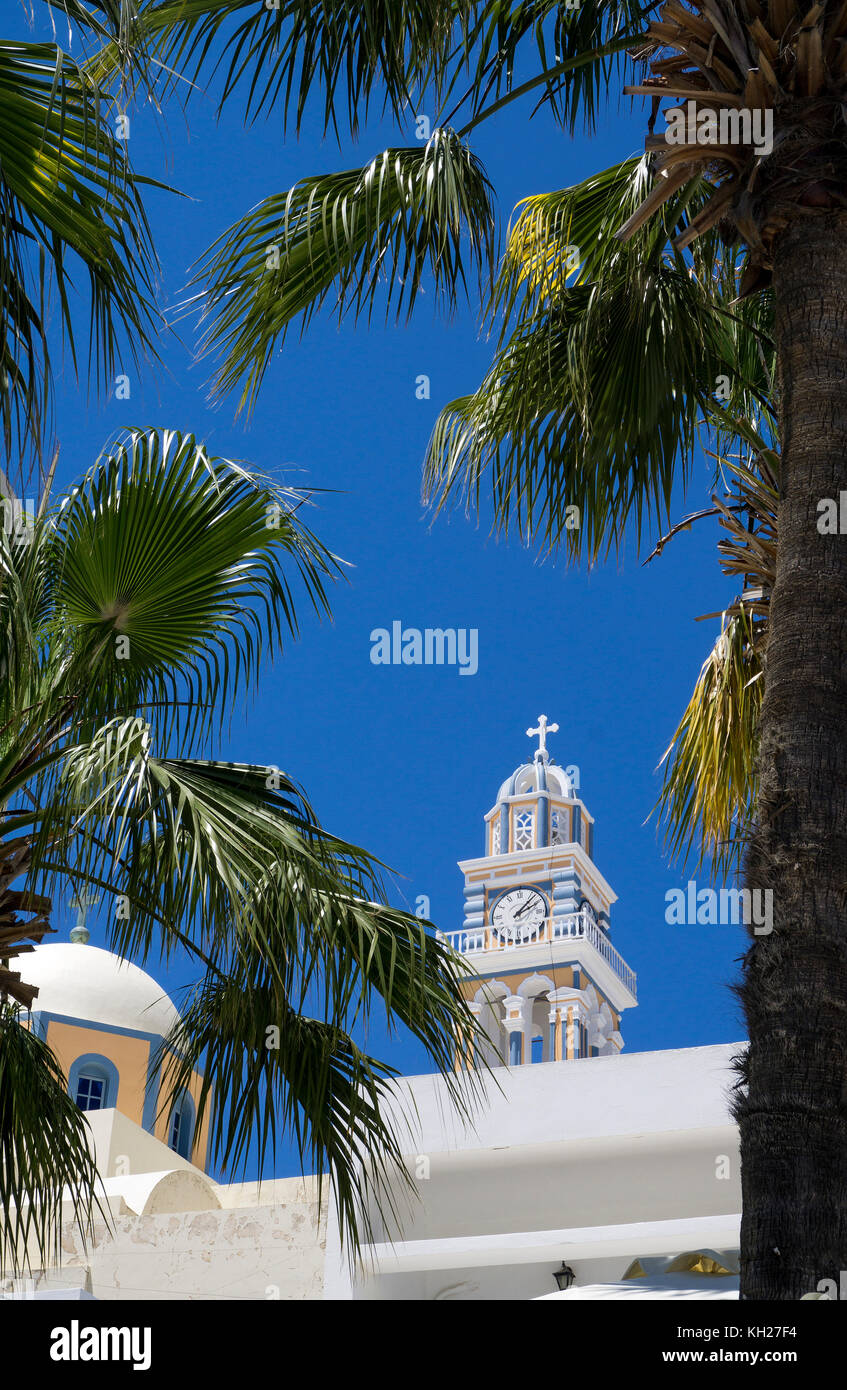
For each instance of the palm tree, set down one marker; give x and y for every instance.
(764, 221)
(134, 614)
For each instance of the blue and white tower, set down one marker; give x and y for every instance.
(543, 975)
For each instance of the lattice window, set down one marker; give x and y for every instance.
(559, 828)
(495, 838)
(523, 830)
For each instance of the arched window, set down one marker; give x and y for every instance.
(181, 1127)
(93, 1082)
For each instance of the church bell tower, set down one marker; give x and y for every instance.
(542, 975)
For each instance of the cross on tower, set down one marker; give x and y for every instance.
(542, 731)
(82, 901)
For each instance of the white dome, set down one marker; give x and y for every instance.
(86, 983)
(526, 779)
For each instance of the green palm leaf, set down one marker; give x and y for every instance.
(45, 1157)
(343, 49)
(66, 191)
(168, 572)
(263, 1052)
(269, 1066)
(579, 48)
(610, 354)
(389, 225)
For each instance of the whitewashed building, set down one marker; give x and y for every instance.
(611, 1175)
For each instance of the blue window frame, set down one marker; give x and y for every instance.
(176, 1128)
(93, 1082)
(181, 1131)
(90, 1091)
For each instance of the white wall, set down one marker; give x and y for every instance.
(265, 1252)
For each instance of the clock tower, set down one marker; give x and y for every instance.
(542, 974)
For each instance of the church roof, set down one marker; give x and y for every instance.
(95, 986)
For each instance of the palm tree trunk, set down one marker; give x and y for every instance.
(15, 863)
(792, 1109)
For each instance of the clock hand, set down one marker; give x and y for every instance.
(525, 908)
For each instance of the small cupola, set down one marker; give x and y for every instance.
(538, 805)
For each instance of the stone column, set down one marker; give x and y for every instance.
(567, 1010)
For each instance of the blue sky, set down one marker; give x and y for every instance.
(406, 760)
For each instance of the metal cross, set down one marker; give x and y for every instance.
(82, 902)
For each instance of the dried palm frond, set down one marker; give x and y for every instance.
(709, 787)
(734, 64)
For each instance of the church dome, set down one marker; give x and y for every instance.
(539, 776)
(542, 774)
(539, 806)
(88, 984)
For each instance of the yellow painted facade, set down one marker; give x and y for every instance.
(130, 1055)
(131, 1058)
(199, 1152)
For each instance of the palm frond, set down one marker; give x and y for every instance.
(170, 573)
(45, 1153)
(229, 863)
(66, 190)
(708, 793)
(170, 551)
(270, 1069)
(594, 398)
(578, 49)
(709, 787)
(390, 225)
(740, 71)
(341, 51)
(609, 359)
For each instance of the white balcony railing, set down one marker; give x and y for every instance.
(578, 926)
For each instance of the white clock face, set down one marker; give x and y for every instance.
(519, 914)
